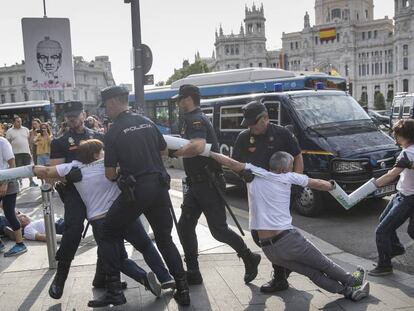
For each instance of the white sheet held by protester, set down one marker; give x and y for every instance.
(16, 173)
(348, 201)
(175, 143)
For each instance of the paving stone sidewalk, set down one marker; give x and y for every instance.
(24, 281)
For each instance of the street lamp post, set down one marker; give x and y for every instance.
(137, 52)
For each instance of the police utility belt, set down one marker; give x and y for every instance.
(203, 178)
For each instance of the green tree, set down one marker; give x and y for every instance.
(198, 66)
(379, 101)
(363, 101)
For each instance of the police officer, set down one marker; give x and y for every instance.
(63, 150)
(256, 145)
(135, 144)
(201, 196)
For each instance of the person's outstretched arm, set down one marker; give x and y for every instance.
(319, 184)
(44, 172)
(388, 178)
(232, 164)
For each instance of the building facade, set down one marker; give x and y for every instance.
(374, 55)
(247, 48)
(90, 78)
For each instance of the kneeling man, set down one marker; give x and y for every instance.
(269, 204)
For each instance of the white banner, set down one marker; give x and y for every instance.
(48, 53)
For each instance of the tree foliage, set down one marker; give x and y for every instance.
(379, 101)
(198, 66)
(363, 101)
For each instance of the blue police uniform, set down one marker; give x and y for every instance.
(202, 197)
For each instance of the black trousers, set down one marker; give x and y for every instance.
(202, 197)
(75, 214)
(281, 273)
(153, 200)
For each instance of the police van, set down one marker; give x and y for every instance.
(402, 107)
(338, 139)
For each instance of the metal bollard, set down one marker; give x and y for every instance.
(49, 218)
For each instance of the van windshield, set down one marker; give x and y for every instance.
(323, 109)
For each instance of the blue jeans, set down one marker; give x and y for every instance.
(43, 159)
(395, 214)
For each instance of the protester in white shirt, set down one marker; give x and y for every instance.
(19, 137)
(401, 206)
(8, 194)
(99, 194)
(269, 204)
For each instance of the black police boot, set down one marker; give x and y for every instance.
(99, 281)
(182, 293)
(276, 284)
(251, 262)
(113, 295)
(58, 283)
(193, 272)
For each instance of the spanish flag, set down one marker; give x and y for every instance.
(327, 34)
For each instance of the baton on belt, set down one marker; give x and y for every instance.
(221, 194)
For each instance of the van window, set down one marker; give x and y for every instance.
(231, 118)
(323, 109)
(273, 109)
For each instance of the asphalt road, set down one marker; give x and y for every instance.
(352, 231)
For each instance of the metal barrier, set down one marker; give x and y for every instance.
(49, 218)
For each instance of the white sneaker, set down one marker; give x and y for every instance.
(361, 292)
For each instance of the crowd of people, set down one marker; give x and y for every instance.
(113, 175)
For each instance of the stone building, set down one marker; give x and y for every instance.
(90, 78)
(247, 48)
(375, 55)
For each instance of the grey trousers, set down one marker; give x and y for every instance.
(296, 253)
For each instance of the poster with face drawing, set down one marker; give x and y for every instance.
(48, 53)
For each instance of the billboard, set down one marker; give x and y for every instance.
(48, 53)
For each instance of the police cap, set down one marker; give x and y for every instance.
(72, 108)
(187, 90)
(113, 91)
(252, 112)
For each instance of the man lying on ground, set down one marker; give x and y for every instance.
(99, 194)
(269, 205)
(34, 230)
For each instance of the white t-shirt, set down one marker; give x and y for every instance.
(37, 226)
(406, 183)
(269, 198)
(96, 191)
(19, 139)
(6, 153)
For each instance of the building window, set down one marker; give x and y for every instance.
(86, 95)
(12, 97)
(369, 34)
(237, 50)
(316, 40)
(251, 64)
(363, 36)
(338, 37)
(26, 96)
(296, 45)
(390, 69)
(3, 98)
(405, 85)
(237, 66)
(75, 95)
(405, 3)
(228, 66)
(366, 14)
(336, 13)
(249, 28)
(23, 79)
(1, 82)
(10, 80)
(232, 50)
(375, 34)
(227, 50)
(260, 65)
(405, 63)
(85, 78)
(346, 70)
(259, 27)
(405, 59)
(61, 96)
(95, 80)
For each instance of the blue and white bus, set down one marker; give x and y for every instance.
(162, 110)
(27, 110)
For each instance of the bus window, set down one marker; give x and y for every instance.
(231, 118)
(273, 108)
(330, 83)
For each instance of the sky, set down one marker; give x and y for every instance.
(174, 29)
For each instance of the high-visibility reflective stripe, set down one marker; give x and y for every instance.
(318, 152)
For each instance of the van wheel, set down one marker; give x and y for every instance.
(309, 203)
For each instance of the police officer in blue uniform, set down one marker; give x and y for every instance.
(256, 145)
(135, 144)
(201, 196)
(63, 150)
